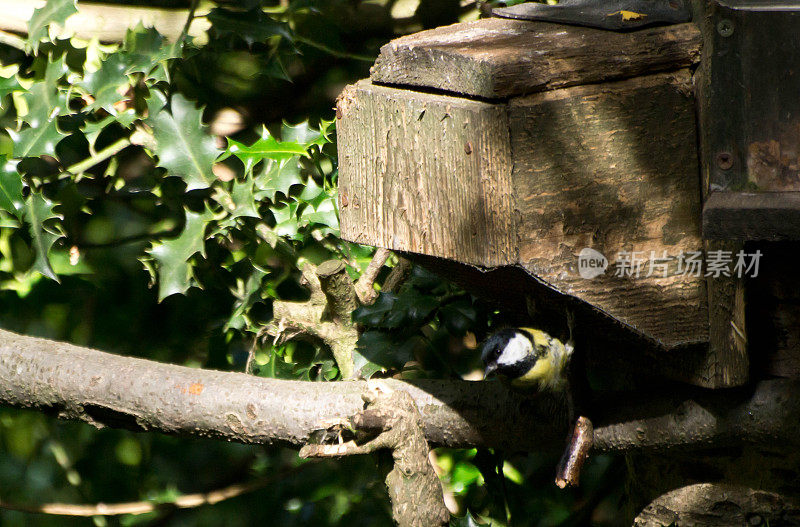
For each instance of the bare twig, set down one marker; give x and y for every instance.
(365, 287)
(186, 501)
(569, 468)
(10, 39)
(331, 51)
(325, 318)
(338, 289)
(108, 23)
(397, 275)
(99, 157)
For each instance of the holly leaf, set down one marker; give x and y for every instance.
(277, 176)
(38, 210)
(311, 193)
(11, 199)
(251, 26)
(145, 48)
(45, 100)
(54, 11)
(183, 146)
(286, 223)
(247, 293)
(304, 134)
(324, 214)
(38, 139)
(108, 84)
(173, 256)
(239, 202)
(266, 147)
(377, 351)
(244, 203)
(7, 85)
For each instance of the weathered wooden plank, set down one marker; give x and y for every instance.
(613, 167)
(426, 173)
(499, 58)
(752, 216)
(726, 362)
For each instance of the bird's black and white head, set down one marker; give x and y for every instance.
(509, 352)
(527, 357)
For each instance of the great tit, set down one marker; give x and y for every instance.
(528, 358)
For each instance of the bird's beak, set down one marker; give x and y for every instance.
(490, 369)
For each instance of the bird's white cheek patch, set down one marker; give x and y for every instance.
(516, 350)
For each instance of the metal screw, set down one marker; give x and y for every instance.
(725, 160)
(725, 27)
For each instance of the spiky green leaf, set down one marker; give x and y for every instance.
(251, 26)
(45, 99)
(38, 216)
(183, 146)
(145, 49)
(305, 135)
(266, 147)
(54, 11)
(7, 85)
(277, 176)
(11, 199)
(108, 85)
(172, 257)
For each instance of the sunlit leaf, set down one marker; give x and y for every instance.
(324, 214)
(304, 134)
(145, 48)
(54, 11)
(266, 147)
(39, 139)
(183, 146)
(11, 199)
(7, 85)
(277, 176)
(108, 85)
(45, 99)
(286, 220)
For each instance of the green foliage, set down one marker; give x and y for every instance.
(111, 181)
(183, 146)
(53, 12)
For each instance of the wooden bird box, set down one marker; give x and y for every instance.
(549, 148)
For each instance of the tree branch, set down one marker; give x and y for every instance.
(325, 317)
(109, 23)
(108, 390)
(365, 287)
(414, 488)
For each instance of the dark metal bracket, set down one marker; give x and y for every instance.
(615, 15)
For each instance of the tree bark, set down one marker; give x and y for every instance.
(78, 383)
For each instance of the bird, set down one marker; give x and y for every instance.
(529, 358)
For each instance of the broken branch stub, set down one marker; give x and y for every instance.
(339, 290)
(414, 488)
